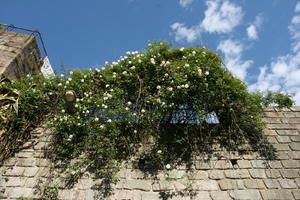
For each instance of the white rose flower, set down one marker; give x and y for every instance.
(102, 126)
(107, 85)
(182, 48)
(109, 121)
(67, 82)
(135, 131)
(186, 85)
(159, 151)
(207, 73)
(133, 67)
(82, 80)
(186, 65)
(126, 108)
(124, 72)
(96, 119)
(194, 52)
(63, 111)
(71, 72)
(143, 111)
(79, 124)
(129, 103)
(59, 85)
(170, 89)
(166, 74)
(200, 72)
(168, 166)
(62, 75)
(158, 87)
(152, 61)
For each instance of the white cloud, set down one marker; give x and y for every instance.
(185, 3)
(221, 16)
(183, 33)
(283, 73)
(297, 7)
(252, 30)
(233, 57)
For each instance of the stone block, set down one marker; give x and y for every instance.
(234, 173)
(295, 146)
(291, 120)
(295, 155)
(220, 195)
(291, 164)
(200, 164)
(31, 171)
(254, 183)
(197, 175)
(296, 194)
(244, 173)
(229, 184)
(295, 138)
(257, 173)
(283, 139)
(222, 164)
(201, 196)
(282, 147)
(281, 155)
(288, 184)
(272, 183)
(288, 132)
(9, 162)
(268, 132)
(245, 194)
(273, 173)
(144, 185)
(15, 171)
(19, 192)
(273, 114)
(176, 174)
(244, 164)
(273, 120)
(297, 180)
(258, 163)
(148, 195)
(179, 186)
(290, 173)
(272, 139)
(274, 164)
(216, 174)
(276, 194)
(205, 185)
(15, 182)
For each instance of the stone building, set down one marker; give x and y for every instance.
(20, 55)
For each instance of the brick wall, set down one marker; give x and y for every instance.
(249, 177)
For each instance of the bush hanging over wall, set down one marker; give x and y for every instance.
(182, 99)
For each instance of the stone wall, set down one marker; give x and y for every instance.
(230, 176)
(19, 54)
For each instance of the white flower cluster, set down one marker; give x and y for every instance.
(152, 60)
(107, 96)
(183, 86)
(165, 63)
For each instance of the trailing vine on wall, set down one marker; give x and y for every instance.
(183, 100)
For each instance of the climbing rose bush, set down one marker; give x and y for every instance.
(181, 102)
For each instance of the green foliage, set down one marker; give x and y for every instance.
(35, 97)
(278, 99)
(164, 95)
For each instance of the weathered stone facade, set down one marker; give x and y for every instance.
(19, 54)
(248, 177)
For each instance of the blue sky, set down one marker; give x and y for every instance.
(259, 40)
